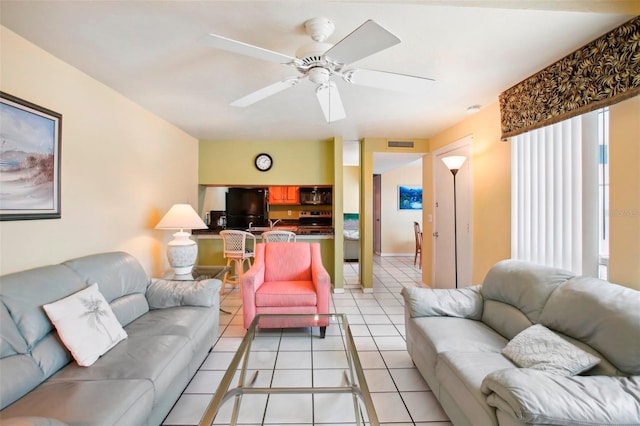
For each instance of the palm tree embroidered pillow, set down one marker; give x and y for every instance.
(86, 324)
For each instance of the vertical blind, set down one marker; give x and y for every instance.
(546, 194)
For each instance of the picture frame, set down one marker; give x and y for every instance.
(409, 197)
(30, 150)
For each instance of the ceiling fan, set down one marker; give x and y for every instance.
(318, 61)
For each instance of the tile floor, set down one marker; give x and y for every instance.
(401, 397)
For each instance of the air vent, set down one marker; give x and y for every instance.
(399, 144)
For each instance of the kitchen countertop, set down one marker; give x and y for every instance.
(215, 233)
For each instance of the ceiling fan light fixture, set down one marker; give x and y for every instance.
(319, 75)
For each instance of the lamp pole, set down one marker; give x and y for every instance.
(455, 224)
(454, 163)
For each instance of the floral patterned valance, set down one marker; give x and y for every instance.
(603, 72)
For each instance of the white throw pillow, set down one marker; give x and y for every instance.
(86, 324)
(539, 348)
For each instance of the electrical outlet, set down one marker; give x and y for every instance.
(288, 212)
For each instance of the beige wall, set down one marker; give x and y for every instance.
(122, 167)
(491, 189)
(294, 162)
(351, 186)
(624, 195)
(397, 235)
(491, 182)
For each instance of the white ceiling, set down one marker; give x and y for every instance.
(153, 53)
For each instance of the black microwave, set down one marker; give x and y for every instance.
(315, 195)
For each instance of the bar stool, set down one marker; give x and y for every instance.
(278, 237)
(234, 246)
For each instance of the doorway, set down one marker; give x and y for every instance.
(377, 213)
(452, 239)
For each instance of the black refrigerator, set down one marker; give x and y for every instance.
(245, 206)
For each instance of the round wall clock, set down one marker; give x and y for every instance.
(263, 162)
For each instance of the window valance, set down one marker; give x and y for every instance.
(603, 72)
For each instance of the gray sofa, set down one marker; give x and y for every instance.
(456, 337)
(138, 381)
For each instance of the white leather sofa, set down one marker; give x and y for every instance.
(456, 339)
(171, 327)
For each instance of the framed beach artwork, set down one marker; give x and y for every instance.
(30, 138)
(409, 197)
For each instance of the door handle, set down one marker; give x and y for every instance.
(435, 234)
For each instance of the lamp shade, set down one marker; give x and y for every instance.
(181, 216)
(454, 162)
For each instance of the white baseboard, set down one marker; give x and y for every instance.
(397, 254)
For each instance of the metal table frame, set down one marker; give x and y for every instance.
(356, 383)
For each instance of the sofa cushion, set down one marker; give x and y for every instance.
(85, 324)
(24, 293)
(88, 402)
(20, 374)
(198, 324)
(539, 348)
(117, 273)
(603, 315)
(129, 307)
(167, 294)
(523, 285)
(460, 375)
(462, 303)
(11, 341)
(158, 359)
(603, 368)
(506, 319)
(287, 262)
(286, 293)
(536, 397)
(435, 335)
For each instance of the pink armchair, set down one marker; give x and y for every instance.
(286, 278)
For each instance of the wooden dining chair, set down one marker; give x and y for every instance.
(418, 236)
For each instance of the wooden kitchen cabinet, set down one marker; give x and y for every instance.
(284, 195)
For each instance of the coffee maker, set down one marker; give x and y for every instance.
(217, 219)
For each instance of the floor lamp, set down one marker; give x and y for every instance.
(454, 163)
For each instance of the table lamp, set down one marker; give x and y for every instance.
(182, 251)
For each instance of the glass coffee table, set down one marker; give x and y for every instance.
(316, 380)
(198, 273)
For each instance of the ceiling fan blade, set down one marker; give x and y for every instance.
(245, 49)
(265, 92)
(388, 80)
(367, 39)
(330, 102)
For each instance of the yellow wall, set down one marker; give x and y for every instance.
(624, 195)
(368, 147)
(294, 162)
(122, 167)
(491, 180)
(351, 189)
(397, 235)
(231, 163)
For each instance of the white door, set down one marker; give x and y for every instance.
(445, 250)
